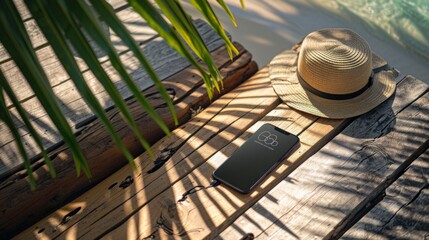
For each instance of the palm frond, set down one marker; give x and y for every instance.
(17, 42)
(4, 84)
(228, 11)
(184, 26)
(207, 11)
(7, 119)
(157, 22)
(67, 26)
(242, 4)
(108, 15)
(53, 32)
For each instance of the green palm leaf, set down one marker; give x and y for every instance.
(205, 8)
(64, 24)
(24, 116)
(79, 9)
(228, 11)
(184, 26)
(53, 33)
(7, 119)
(72, 32)
(108, 15)
(157, 22)
(242, 4)
(16, 41)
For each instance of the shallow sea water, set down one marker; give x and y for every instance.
(397, 30)
(405, 21)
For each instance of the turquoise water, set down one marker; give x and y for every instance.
(404, 21)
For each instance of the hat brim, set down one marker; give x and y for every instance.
(285, 81)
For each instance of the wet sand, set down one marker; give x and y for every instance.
(266, 28)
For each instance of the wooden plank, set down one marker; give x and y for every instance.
(224, 120)
(317, 199)
(25, 14)
(140, 211)
(165, 65)
(152, 46)
(134, 23)
(38, 40)
(205, 213)
(103, 156)
(164, 60)
(404, 210)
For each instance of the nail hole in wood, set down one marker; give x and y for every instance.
(127, 182)
(69, 215)
(112, 186)
(41, 230)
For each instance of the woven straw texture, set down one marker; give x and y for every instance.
(333, 61)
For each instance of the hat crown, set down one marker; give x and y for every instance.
(335, 61)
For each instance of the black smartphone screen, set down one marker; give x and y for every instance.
(253, 160)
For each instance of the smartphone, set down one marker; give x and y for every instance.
(256, 157)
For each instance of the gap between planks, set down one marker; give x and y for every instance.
(36, 37)
(180, 145)
(403, 212)
(205, 212)
(74, 106)
(316, 200)
(187, 96)
(170, 181)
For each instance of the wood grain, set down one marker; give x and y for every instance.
(163, 59)
(149, 207)
(332, 186)
(103, 156)
(25, 14)
(403, 212)
(222, 121)
(205, 213)
(37, 38)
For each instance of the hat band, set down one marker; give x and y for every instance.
(331, 96)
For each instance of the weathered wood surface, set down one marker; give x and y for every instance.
(324, 195)
(183, 142)
(403, 212)
(132, 21)
(36, 37)
(22, 206)
(163, 59)
(25, 14)
(149, 206)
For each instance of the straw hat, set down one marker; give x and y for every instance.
(332, 75)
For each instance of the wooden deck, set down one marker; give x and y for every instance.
(20, 207)
(355, 178)
(165, 61)
(360, 178)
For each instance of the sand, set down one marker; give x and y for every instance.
(266, 28)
